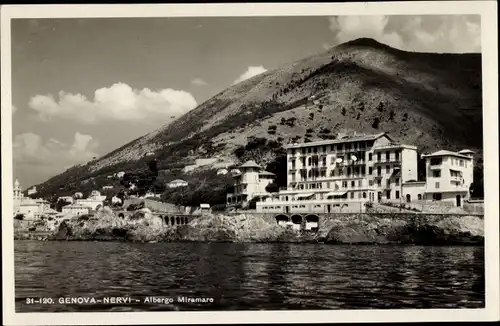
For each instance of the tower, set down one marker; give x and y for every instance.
(18, 195)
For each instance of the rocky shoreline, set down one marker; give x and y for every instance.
(356, 229)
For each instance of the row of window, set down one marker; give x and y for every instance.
(341, 172)
(454, 161)
(297, 206)
(459, 162)
(346, 184)
(314, 160)
(334, 147)
(320, 196)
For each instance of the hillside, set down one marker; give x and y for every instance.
(430, 100)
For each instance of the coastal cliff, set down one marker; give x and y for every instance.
(142, 226)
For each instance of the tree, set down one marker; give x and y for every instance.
(477, 187)
(376, 123)
(19, 217)
(272, 187)
(279, 167)
(391, 115)
(60, 204)
(343, 111)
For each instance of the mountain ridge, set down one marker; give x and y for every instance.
(425, 99)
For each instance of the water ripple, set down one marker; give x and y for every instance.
(249, 276)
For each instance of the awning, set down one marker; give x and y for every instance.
(458, 171)
(305, 195)
(336, 194)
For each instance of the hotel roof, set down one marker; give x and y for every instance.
(444, 152)
(76, 206)
(178, 181)
(250, 164)
(266, 173)
(340, 141)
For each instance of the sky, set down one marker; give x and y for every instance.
(84, 87)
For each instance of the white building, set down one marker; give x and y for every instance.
(342, 175)
(30, 208)
(222, 172)
(449, 176)
(116, 200)
(76, 209)
(107, 187)
(177, 183)
(251, 182)
(32, 191)
(93, 204)
(78, 195)
(68, 199)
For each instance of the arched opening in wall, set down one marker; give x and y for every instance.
(419, 197)
(297, 222)
(312, 222)
(178, 220)
(166, 220)
(121, 215)
(172, 220)
(408, 198)
(186, 220)
(98, 207)
(281, 219)
(459, 201)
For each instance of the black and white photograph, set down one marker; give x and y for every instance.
(253, 159)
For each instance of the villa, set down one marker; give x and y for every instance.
(449, 176)
(250, 181)
(177, 183)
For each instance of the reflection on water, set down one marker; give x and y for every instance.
(249, 276)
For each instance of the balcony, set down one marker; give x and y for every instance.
(390, 161)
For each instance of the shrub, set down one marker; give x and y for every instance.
(376, 123)
(19, 217)
(343, 111)
(391, 115)
(84, 217)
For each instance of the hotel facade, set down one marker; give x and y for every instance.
(343, 175)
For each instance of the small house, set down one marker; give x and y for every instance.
(76, 209)
(177, 183)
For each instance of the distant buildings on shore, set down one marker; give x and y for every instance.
(343, 175)
(30, 208)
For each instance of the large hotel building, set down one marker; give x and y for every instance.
(342, 175)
